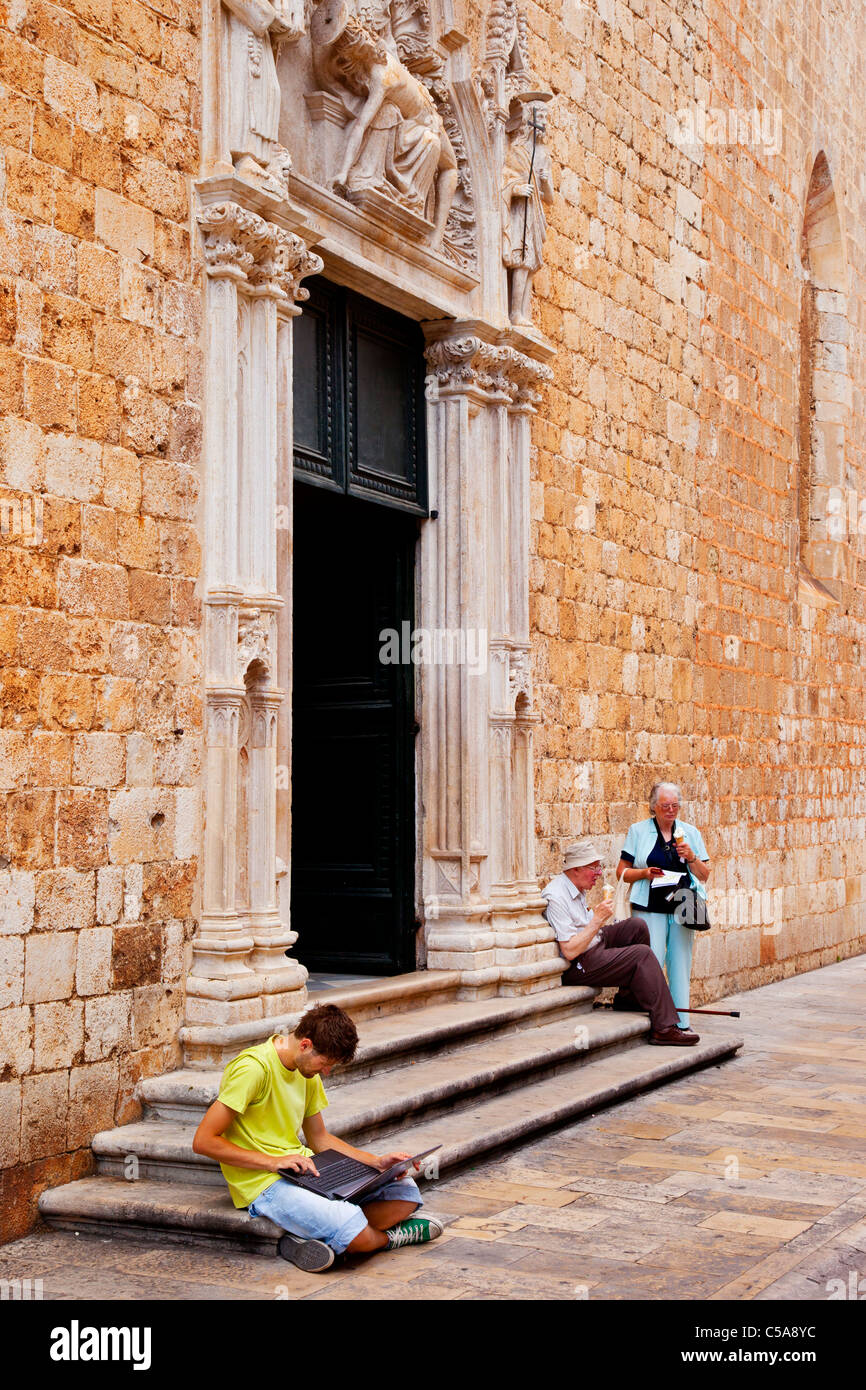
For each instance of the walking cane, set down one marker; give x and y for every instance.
(720, 1013)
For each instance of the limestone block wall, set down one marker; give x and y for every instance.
(675, 634)
(99, 553)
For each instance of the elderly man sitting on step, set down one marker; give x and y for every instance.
(602, 952)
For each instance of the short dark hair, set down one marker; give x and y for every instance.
(330, 1030)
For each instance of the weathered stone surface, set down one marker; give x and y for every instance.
(123, 225)
(16, 1042)
(13, 760)
(109, 894)
(93, 969)
(92, 1091)
(98, 760)
(21, 454)
(156, 1014)
(107, 1022)
(142, 825)
(10, 1122)
(64, 900)
(94, 589)
(17, 901)
(44, 1099)
(50, 966)
(95, 160)
(50, 759)
(122, 479)
(58, 1034)
(30, 828)
(11, 971)
(137, 956)
(168, 889)
(82, 827)
(19, 691)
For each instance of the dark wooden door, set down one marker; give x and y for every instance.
(352, 738)
(359, 491)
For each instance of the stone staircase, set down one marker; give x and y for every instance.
(474, 1076)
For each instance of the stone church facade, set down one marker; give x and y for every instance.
(593, 272)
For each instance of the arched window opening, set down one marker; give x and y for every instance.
(825, 395)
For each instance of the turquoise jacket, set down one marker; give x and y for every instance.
(639, 844)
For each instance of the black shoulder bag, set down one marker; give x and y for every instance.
(687, 906)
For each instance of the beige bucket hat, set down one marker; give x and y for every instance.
(581, 853)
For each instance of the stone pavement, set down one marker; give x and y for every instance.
(744, 1181)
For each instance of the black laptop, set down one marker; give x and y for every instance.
(347, 1179)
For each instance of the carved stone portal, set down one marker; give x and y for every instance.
(398, 149)
(405, 125)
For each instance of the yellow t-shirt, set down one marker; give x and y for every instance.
(271, 1104)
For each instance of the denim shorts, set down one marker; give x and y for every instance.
(321, 1218)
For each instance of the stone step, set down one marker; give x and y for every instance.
(165, 1211)
(385, 1044)
(374, 1106)
(394, 994)
(390, 995)
(196, 1212)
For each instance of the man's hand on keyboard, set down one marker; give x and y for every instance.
(297, 1163)
(388, 1160)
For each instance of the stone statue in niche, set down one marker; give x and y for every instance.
(398, 148)
(527, 184)
(252, 91)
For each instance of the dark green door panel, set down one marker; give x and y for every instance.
(359, 399)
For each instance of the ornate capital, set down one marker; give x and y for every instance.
(244, 246)
(468, 364)
(223, 706)
(293, 262)
(225, 228)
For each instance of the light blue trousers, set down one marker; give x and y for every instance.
(672, 946)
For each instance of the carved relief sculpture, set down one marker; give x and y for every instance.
(527, 184)
(252, 93)
(398, 147)
(504, 75)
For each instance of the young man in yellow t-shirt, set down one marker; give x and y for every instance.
(266, 1095)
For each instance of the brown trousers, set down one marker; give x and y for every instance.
(624, 957)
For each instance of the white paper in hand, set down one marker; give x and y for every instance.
(666, 880)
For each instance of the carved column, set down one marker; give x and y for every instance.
(286, 311)
(221, 984)
(241, 985)
(527, 957)
(455, 778)
(520, 415)
(277, 976)
(481, 902)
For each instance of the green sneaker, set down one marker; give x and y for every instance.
(415, 1230)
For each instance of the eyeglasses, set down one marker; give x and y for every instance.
(667, 805)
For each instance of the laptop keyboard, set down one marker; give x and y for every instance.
(342, 1170)
(345, 1168)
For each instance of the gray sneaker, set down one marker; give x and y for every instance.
(312, 1256)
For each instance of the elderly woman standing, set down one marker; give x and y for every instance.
(662, 844)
